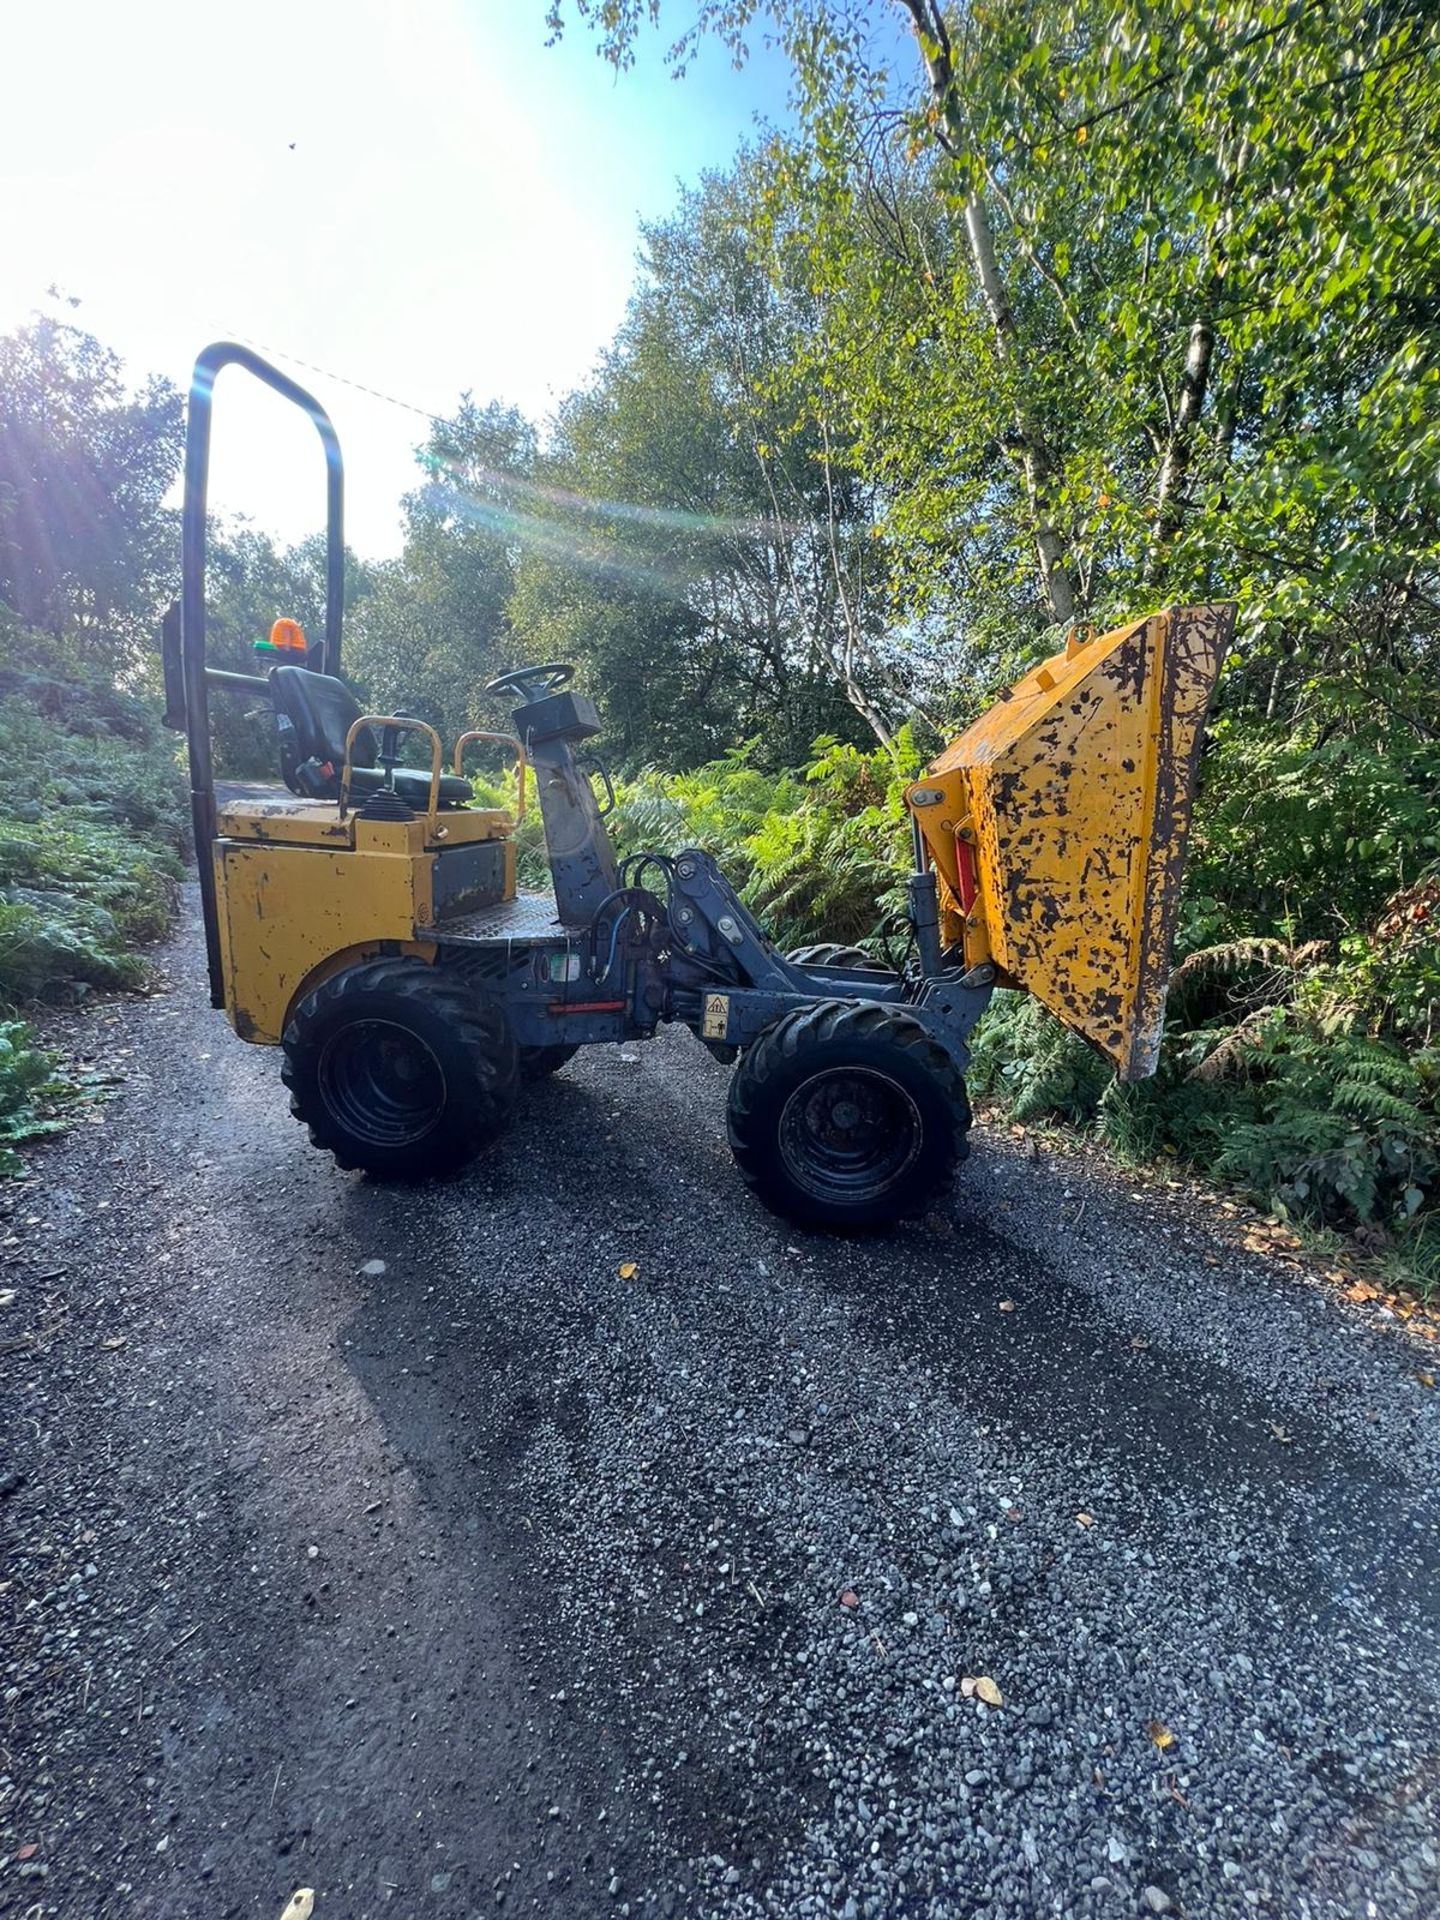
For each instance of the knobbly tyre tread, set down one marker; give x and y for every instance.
(473, 1039)
(538, 1062)
(826, 953)
(853, 1030)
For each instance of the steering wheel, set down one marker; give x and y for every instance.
(533, 683)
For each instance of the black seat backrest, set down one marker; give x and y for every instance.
(314, 712)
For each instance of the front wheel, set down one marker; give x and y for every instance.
(847, 1114)
(399, 1069)
(825, 953)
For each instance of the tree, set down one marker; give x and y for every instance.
(1146, 288)
(86, 544)
(435, 625)
(699, 495)
(250, 583)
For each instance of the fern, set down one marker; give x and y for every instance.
(1022, 1055)
(32, 1089)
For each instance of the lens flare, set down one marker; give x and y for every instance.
(658, 548)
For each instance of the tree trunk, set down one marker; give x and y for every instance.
(1169, 498)
(1037, 462)
(1035, 457)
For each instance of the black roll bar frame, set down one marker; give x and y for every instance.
(183, 638)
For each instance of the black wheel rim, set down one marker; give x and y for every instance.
(849, 1135)
(382, 1083)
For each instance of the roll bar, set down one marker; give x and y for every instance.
(187, 677)
(504, 740)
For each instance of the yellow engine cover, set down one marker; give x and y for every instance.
(301, 892)
(1073, 794)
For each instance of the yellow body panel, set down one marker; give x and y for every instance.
(1074, 794)
(255, 812)
(298, 891)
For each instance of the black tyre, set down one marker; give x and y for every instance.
(847, 1114)
(399, 1069)
(537, 1062)
(825, 953)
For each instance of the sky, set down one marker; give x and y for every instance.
(416, 195)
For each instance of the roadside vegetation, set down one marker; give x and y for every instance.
(93, 830)
(1034, 315)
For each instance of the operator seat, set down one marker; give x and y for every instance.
(314, 712)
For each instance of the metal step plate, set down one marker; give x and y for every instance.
(529, 916)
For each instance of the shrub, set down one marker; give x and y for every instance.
(31, 1089)
(1310, 831)
(1335, 1128)
(1310, 1083)
(1022, 1056)
(818, 855)
(93, 823)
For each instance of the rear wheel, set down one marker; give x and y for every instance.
(825, 953)
(399, 1069)
(847, 1114)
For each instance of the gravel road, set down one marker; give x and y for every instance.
(491, 1581)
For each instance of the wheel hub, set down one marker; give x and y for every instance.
(382, 1082)
(849, 1133)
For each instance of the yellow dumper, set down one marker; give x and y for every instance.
(364, 917)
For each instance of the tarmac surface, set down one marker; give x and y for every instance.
(574, 1538)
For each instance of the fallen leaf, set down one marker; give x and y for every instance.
(1426, 1379)
(300, 1905)
(1160, 1734)
(1007, 1306)
(986, 1690)
(627, 1269)
(1084, 1519)
(29, 1850)
(849, 1598)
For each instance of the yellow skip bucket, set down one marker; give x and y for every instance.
(1058, 822)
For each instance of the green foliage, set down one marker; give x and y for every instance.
(435, 625)
(820, 856)
(698, 545)
(93, 823)
(250, 583)
(32, 1090)
(1336, 1127)
(1311, 828)
(1039, 1070)
(1312, 1086)
(85, 541)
